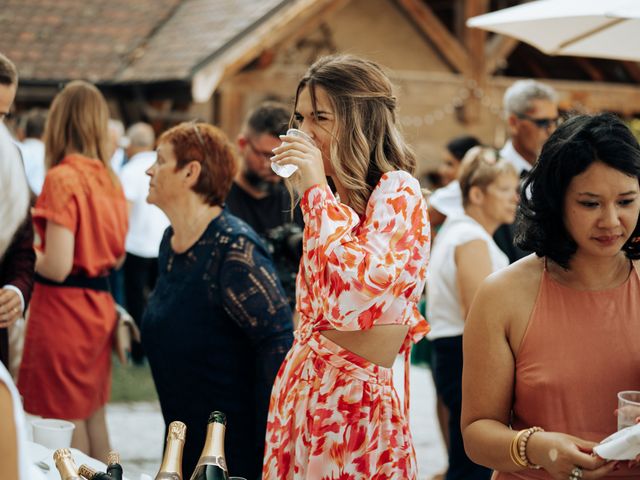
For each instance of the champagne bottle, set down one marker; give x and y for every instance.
(90, 474)
(65, 464)
(171, 467)
(113, 466)
(212, 464)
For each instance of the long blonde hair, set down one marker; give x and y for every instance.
(77, 123)
(367, 142)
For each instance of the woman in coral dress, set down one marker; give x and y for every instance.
(334, 412)
(550, 340)
(81, 222)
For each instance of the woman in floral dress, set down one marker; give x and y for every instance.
(334, 412)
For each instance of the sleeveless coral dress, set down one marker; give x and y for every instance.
(579, 350)
(66, 366)
(334, 414)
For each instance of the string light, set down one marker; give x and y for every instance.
(469, 90)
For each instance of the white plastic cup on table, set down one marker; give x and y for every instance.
(628, 408)
(285, 170)
(52, 433)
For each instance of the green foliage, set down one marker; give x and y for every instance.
(634, 125)
(132, 383)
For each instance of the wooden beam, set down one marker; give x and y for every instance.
(633, 69)
(590, 69)
(231, 111)
(430, 25)
(475, 39)
(498, 49)
(309, 24)
(594, 96)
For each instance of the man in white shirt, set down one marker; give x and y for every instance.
(18, 264)
(117, 143)
(147, 224)
(531, 110)
(32, 149)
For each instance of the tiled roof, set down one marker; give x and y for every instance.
(52, 40)
(122, 40)
(197, 31)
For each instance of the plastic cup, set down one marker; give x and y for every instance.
(285, 171)
(52, 433)
(628, 408)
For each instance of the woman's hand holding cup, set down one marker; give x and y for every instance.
(298, 150)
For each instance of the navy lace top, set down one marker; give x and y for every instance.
(216, 329)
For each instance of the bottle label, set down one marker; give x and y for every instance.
(213, 460)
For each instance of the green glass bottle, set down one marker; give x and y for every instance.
(171, 467)
(212, 464)
(114, 469)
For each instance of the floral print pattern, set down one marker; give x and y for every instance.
(333, 414)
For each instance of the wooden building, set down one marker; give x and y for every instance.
(166, 61)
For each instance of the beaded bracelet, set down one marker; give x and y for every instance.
(518, 451)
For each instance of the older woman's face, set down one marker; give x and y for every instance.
(601, 209)
(165, 181)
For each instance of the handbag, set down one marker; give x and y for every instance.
(126, 331)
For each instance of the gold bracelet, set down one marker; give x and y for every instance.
(513, 450)
(522, 446)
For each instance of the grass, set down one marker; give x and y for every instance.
(132, 383)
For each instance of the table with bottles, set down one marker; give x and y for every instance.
(43, 458)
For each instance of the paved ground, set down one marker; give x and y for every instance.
(137, 430)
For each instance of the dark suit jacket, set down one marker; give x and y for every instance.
(17, 268)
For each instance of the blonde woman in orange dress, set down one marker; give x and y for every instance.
(80, 220)
(334, 412)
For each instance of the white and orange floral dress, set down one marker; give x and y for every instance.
(333, 414)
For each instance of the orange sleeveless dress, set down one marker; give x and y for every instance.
(334, 414)
(579, 350)
(66, 365)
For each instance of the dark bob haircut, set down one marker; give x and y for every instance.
(569, 151)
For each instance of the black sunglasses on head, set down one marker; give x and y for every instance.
(540, 122)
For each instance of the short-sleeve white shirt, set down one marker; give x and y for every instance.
(444, 311)
(147, 223)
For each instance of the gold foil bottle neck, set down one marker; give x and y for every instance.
(177, 431)
(113, 457)
(61, 453)
(65, 464)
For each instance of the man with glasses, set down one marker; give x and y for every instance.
(531, 110)
(18, 264)
(259, 197)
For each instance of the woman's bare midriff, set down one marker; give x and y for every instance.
(379, 345)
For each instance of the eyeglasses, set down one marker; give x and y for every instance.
(541, 122)
(265, 155)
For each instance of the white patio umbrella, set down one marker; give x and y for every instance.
(584, 28)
